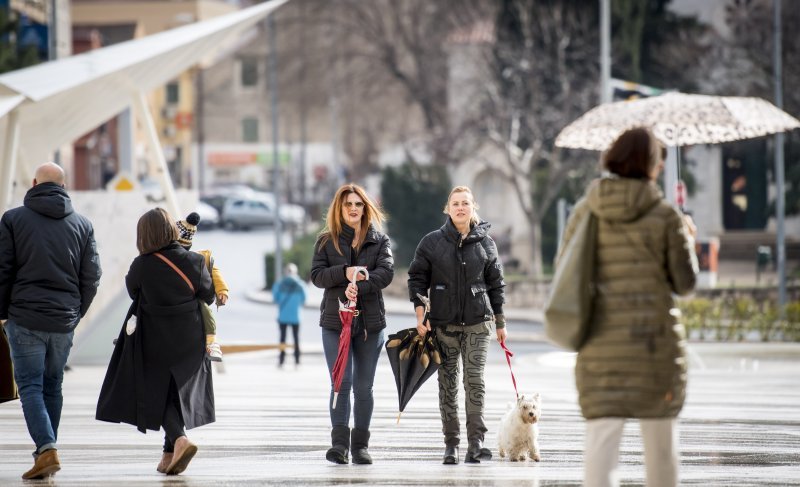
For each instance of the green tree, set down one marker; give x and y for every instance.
(413, 196)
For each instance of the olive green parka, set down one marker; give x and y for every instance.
(633, 364)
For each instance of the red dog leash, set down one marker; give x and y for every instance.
(510, 354)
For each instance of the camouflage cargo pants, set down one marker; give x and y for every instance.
(468, 345)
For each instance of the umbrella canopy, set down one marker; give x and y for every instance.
(347, 311)
(678, 119)
(414, 359)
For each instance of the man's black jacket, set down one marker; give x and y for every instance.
(49, 267)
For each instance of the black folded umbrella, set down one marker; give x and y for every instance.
(414, 359)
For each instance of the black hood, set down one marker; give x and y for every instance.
(49, 199)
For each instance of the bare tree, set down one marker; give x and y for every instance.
(386, 60)
(543, 74)
(539, 72)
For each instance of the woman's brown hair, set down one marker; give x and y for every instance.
(634, 154)
(334, 222)
(155, 230)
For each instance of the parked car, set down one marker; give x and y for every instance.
(247, 212)
(291, 214)
(243, 207)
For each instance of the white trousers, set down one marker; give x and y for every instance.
(660, 438)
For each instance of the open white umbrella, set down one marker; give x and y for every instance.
(678, 119)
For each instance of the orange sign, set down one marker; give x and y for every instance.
(231, 158)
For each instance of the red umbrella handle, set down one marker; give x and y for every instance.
(510, 354)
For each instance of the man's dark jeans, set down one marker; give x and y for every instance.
(39, 358)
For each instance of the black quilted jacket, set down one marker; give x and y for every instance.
(328, 272)
(465, 277)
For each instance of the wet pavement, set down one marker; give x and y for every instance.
(740, 427)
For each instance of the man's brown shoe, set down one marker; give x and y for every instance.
(166, 459)
(46, 465)
(184, 451)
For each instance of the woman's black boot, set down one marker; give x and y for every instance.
(340, 439)
(359, 442)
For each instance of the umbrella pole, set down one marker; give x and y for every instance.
(335, 397)
(398, 417)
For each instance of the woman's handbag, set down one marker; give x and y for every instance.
(8, 387)
(569, 307)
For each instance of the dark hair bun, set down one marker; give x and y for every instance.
(193, 218)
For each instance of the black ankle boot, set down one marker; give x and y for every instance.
(359, 442)
(476, 452)
(450, 455)
(340, 441)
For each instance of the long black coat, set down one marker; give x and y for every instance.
(328, 272)
(168, 344)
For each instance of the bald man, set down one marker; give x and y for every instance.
(49, 172)
(49, 272)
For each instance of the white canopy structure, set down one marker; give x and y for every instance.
(48, 105)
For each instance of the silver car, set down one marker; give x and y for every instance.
(247, 212)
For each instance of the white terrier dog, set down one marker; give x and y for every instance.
(518, 435)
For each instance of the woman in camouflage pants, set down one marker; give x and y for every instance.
(458, 267)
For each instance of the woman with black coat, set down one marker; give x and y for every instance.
(159, 375)
(352, 239)
(458, 268)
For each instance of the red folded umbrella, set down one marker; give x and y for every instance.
(347, 311)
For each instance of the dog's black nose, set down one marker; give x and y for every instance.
(530, 414)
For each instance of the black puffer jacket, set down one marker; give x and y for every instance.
(49, 267)
(465, 277)
(328, 272)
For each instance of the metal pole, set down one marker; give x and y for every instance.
(333, 105)
(125, 134)
(302, 161)
(561, 216)
(605, 51)
(162, 172)
(780, 191)
(53, 51)
(201, 132)
(9, 161)
(276, 187)
(671, 173)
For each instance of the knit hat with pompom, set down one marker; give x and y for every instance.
(187, 229)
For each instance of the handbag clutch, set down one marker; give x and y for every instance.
(568, 310)
(8, 387)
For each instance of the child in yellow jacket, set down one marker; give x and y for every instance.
(187, 229)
